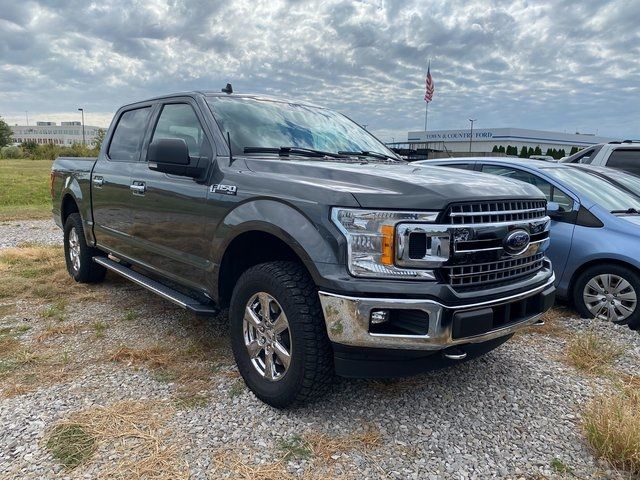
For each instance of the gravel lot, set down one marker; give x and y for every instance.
(15, 232)
(512, 414)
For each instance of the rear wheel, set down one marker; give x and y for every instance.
(79, 255)
(610, 293)
(279, 336)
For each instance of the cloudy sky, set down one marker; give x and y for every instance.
(557, 65)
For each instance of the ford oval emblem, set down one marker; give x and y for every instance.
(516, 242)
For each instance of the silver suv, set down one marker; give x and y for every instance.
(621, 155)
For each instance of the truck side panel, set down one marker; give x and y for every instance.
(71, 191)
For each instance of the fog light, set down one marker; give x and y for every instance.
(379, 316)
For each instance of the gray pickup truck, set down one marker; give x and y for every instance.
(333, 255)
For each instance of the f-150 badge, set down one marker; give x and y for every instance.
(224, 189)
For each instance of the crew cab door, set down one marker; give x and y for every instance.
(110, 180)
(169, 211)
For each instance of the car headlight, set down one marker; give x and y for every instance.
(371, 241)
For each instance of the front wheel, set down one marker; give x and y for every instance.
(278, 334)
(610, 293)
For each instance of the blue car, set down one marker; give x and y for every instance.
(595, 233)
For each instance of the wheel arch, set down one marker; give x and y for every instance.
(594, 262)
(68, 206)
(241, 254)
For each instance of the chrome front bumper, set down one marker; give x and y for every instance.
(348, 318)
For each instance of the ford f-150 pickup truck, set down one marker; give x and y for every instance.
(333, 255)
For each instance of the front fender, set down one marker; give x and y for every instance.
(313, 241)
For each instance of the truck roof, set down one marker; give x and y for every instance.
(211, 93)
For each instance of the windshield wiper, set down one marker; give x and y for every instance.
(366, 153)
(628, 210)
(284, 151)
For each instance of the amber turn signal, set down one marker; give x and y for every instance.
(388, 235)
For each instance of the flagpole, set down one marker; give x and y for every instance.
(426, 115)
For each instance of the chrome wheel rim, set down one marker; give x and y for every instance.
(610, 297)
(267, 336)
(74, 249)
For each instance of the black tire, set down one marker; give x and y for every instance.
(631, 276)
(310, 372)
(85, 270)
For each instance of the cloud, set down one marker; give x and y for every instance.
(557, 65)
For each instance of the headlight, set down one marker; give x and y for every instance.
(371, 241)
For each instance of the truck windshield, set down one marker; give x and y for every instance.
(255, 124)
(601, 191)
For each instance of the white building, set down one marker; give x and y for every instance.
(67, 133)
(484, 139)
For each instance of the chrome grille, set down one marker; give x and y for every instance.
(495, 212)
(491, 272)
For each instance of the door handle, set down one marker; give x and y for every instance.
(98, 181)
(138, 187)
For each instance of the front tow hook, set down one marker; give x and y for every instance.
(454, 354)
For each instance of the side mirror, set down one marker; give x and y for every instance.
(169, 155)
(554, 210)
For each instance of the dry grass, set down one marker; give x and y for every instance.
(591, 353)
(326, 446)
(552, 323)
(612, 428)
(189, 364)
(318, 448)
(132, 432)
(24, 366)
(7, 309)
(38, 272)
(52, 330)
(229, 464)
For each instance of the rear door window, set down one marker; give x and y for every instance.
(126, 142)
(626, 159)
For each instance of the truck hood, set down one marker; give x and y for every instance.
(397, 186)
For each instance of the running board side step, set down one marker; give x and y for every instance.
(158, 288)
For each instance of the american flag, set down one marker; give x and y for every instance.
(429, 87)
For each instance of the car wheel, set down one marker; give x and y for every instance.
(608, 292)
(79, 255)
(279, 336)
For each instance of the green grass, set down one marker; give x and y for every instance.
(294, 448)
(71, 445)
(24, 189)
(560, 467)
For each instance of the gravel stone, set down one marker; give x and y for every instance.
(13, 233)
(507, 415)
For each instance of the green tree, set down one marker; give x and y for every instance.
(501, 149)
(30, 148)
(574, 150)
(495, 149)
(562, 153)
(99, 139)
(549, 152)
(537, 150)
(523, 152)
(5, 133)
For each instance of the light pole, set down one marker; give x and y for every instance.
(83, 142)
(471, 133)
